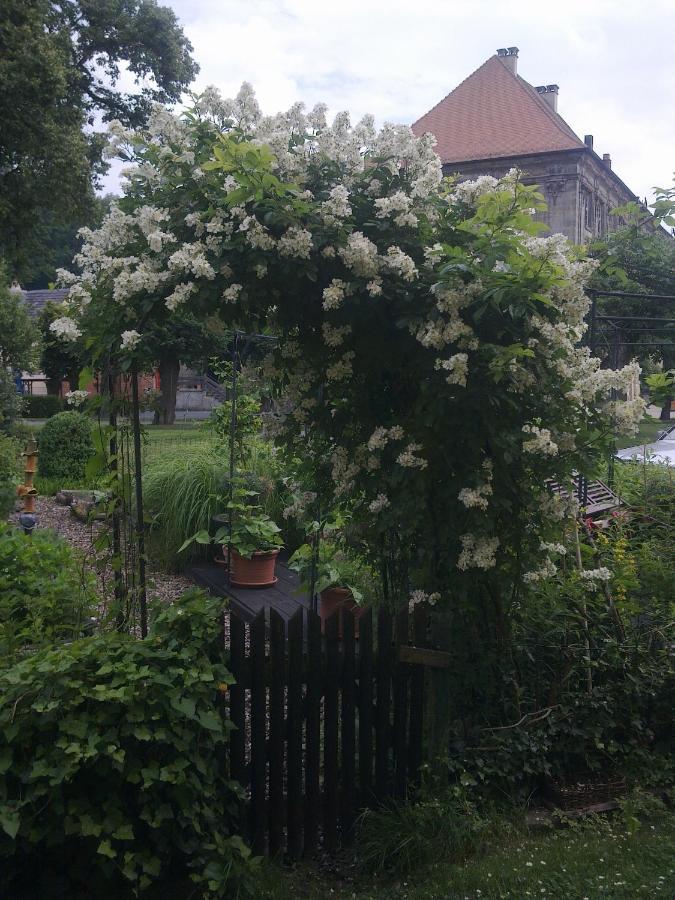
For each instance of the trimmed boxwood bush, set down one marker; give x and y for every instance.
(112, 763)
(65, 445)
(41, 406)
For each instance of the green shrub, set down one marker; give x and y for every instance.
(10, 401)
(9, 474)
(113, 761)
(36, 406)
(45, 596)
(65, 445)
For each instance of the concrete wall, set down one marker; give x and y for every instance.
(579, 189)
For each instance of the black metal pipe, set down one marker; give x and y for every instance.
(140, 521)
(634, 296)
(233, 428)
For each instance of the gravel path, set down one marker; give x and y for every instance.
(81, 535)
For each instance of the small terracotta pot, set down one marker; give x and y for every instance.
(256, 572)
(339, 599)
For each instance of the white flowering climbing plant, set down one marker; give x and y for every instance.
(429, 351)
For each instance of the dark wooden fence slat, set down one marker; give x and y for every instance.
(258, 735)
(313, 732)
(417, 676)
(237, 699)
(348, 713)
(401, 672)
(276, 743)
(294, 724)
(366, 708)
(330, 734)
(382, 712)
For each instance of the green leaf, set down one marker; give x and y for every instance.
(105, 849)
(10, 821)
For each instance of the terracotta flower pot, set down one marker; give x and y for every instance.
(256, 572)
(339, 599)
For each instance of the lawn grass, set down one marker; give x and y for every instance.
(599, 859)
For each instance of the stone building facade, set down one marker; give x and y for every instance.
(495, 120)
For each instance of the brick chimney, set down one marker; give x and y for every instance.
(607, 159)
(588, 140)
(549, 93)
(509, 56)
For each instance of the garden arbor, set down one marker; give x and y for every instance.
(414, 317)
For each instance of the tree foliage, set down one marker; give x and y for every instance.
(59, 361)
(60, 65)
(638, 258)
(18, 335)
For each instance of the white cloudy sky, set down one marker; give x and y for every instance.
(613, 60)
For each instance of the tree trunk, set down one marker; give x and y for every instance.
(168, 384)
(665, 410)
(53, 386)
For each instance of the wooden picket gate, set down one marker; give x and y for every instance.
(326, 725)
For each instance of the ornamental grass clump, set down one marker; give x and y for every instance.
(112, 762)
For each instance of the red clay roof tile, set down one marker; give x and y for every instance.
(494, 113)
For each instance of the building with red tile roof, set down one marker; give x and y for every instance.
(495, 120)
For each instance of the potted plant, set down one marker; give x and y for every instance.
(255, 543)
(337, 578)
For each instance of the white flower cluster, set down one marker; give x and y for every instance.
(417, 597)
(381, 436)
(180, 294)
(341, 369)
(397, 207)
(130, 339)
(298, 508)
(296, 242)
(65, 328)
(475, 498)
(336, 208)
(540, 442)
(231, 293)
(379, 503)
(408, 460)
(360, 255)
(477, 552)
(457, 368)
(546, 570)
(334, 294)
(76, 398)
(401, 264)
(593, 577)
(334, 336)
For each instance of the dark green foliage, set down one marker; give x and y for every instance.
(41, 406)
(9, 472)
(65, 446)
(17, 332)
(45, 595)
(60, 360)
(113, 756)
(402, 837)
(59, 66)
(10, 401)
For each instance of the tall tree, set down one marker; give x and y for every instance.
(18, 335)
(638, 259)
(60, 65)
